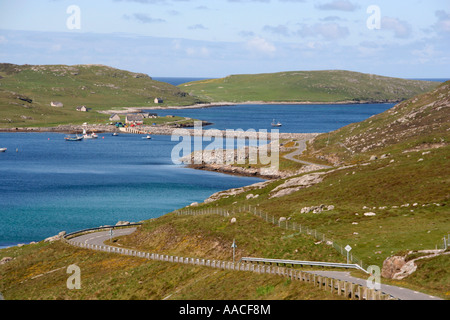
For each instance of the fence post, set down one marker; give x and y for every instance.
(359, 292)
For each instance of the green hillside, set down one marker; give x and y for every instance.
(26, 92)
(405, 188)
(307, 86)
(421, 123)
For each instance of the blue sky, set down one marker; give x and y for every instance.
(216, 38)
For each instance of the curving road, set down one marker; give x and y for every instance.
(397, 292)
(98, 238)
(302, 147)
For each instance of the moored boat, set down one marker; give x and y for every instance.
(3, 149)
(89, 136)
(276, 124)
(76, 138)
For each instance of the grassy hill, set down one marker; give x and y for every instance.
(26, 92)
(421, 123)
(307, 86)
(406, 188)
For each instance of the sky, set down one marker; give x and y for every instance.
(217, 38)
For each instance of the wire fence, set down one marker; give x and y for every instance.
(445, 243)
(344, 288)
(280, 222)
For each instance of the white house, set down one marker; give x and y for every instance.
(114, 117)
(82, 109)
(57, 104)
(134, 119)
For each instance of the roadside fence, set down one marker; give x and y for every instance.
(340, 287)
(282, 223)
(445, 244)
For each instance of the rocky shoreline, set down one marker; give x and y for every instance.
(161, 130)
(207, 164)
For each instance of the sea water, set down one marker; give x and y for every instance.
(294, 118)
(48, 185)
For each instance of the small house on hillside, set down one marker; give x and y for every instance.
(136, 119)
(114, 117)
(159, 100)
(82, 109)
(57, 104)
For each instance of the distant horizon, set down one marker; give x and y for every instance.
(211, 77)
(206, 78)
(214, 39)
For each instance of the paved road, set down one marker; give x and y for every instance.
(98, 238)
(299, 151)
(397, 292)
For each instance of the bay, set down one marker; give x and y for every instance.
(50, 185)
(303, 118)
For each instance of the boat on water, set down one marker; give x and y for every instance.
(76, 138)
(147, 137)
(89, 135)
(3, 149)
(276, 124)
(115, 134)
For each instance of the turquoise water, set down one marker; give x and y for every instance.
(50, 185)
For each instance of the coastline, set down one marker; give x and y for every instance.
(162, 130)
(225, 103)
(72, 129)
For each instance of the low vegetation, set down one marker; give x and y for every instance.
(307, 86)
(387, 194)
(27, 91)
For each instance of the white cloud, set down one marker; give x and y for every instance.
(201, 52)
(424, 54)
(176, 44)
(442, 26)
(280, 29)
(197, 27)
(329, 31)
(261, 45)
(142, 17)
(339, 5)
(56, 47)
(401, 29)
